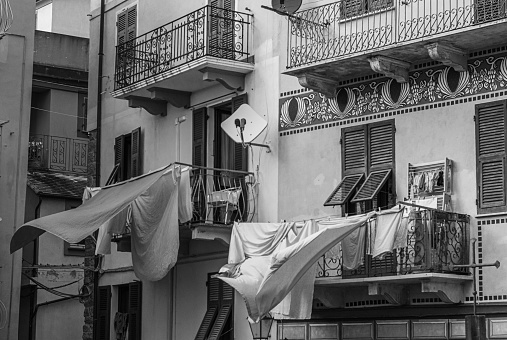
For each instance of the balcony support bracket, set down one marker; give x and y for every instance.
(219, 233)
(448, 292)
(318, 84)
(390, 67)
(174, 97)
(448, 55)
(155, 107)
(230, 80)
(329, 296)
(395, 294)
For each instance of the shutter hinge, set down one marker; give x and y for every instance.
(394, 127)
(475, 118)
(476, 201)
(341, 140)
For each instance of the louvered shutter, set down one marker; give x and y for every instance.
(488, 10)
(344, 190)
(225, 311)
(354, 150)
(240, 153)
(352, 8)
(213, 304)
(380, 146)
(376, 5)
(119, 152)
(121, 28)
(491, 154)
(135, 305)
(199, 136)
(136, 153)
(372, 185)
(104, 313)
(131, 23)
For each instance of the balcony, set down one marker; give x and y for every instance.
(436, 241)
(185, 55)
(343, 40)
(219, 198)
(58, 154)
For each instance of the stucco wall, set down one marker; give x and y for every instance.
(70, 17)
(15, 81)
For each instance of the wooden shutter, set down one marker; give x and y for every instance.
(352, 8)
(119, 152)
(104, 313)
(199, 137)
(240, 153)
(121, 28)
(136, 153)
(376, 5)
(344, 190)
(131, 23)
(135, 305)
(488, 10)
(213, 303)
(354, 150)
(372, 185)
(380, 146)
(491, 153)
(225, 311)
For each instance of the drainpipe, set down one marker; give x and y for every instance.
(97, 153)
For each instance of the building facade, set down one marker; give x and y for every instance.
(362, 99)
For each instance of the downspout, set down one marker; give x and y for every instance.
(97, 154)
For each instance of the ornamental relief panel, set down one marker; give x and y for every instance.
(426, 86)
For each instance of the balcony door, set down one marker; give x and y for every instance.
(221, 39)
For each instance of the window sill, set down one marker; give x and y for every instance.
(486, 215)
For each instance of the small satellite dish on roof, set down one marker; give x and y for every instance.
(244, 125)
(287, 6)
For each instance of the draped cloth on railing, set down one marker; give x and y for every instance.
(155, 227)
(267, 262)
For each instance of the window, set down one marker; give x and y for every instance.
(353, 8)
(128, 155)
(367, 168)
(126, 25)
(44, 17)
(126, 32)
(218, 320)
(82, 115)
(490, 125)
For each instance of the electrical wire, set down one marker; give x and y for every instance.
(54, 291)
(55, 112)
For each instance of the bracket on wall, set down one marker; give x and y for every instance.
(390, 67)
(174, 97)
(447, 292)
(395, 294)
(448, 55)
(318, 84)
(230, 80)
(155, 107)
(329, 296)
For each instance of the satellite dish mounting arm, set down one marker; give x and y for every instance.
(240, 123)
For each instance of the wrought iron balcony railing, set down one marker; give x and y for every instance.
(436, 241)
(208, 31)
(222, 196)
(351, 26)
(58, 153)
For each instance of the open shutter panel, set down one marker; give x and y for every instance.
(119, 151)
(213, 307)
(136, 152)
(372, 185)
(225, 311)
(240, 153)
(199, 136)
(135, 304)
(344, 190)
(491, 153)
(354, 150)
(381, 146)
(104, 313)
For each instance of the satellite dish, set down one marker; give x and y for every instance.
(287, 6)
(252, 124)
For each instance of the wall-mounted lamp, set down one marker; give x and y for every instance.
(260, 330)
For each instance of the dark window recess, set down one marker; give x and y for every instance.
(129, 305)
(353, 8)
(490, 139)
(73, 249)
(104, 313)
(367, 152)
(82, 115)
(128, 155)
(218, 320)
